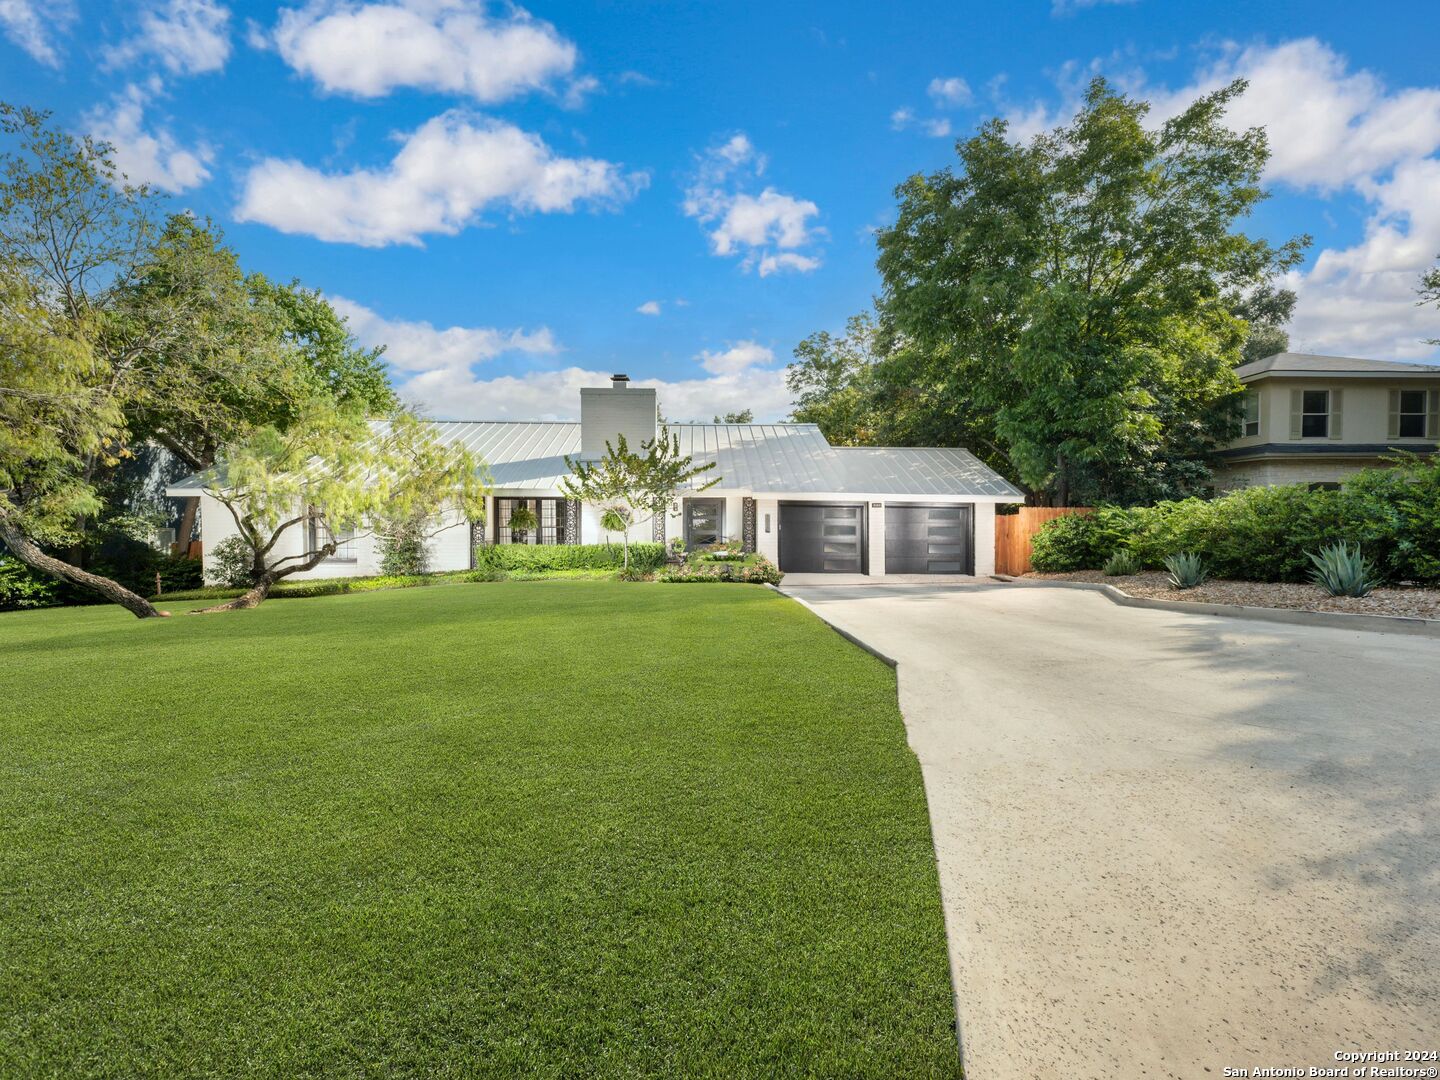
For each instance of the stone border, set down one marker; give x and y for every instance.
(1338, 620)
(854, 639)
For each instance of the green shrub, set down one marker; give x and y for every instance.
(232, 563)
(1343, 571)
(645, 557)
(22, 588)
(1122, 564)
(1068, 543)
(1187, 570)
(404, 550)
(1395, 515)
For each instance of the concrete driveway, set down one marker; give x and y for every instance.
(1170, 844)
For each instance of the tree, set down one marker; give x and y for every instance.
(330, 470)
(625, 483)
(744, 416)
(831, 381)
(1430, 292)
(252, 353)
(55, 418)
(1071, 299)
(1266, 310)
(71, 237)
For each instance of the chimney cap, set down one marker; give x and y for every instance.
(619, 381)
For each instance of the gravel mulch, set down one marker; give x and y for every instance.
(1413, 602)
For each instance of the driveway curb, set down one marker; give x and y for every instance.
(1339, 620)
(854, 639)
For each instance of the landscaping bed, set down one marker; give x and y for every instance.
(1418, 603)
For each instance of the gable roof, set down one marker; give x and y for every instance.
(1313, 364)
(786, 459)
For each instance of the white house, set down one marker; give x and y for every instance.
(784, 491)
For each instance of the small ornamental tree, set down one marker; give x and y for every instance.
(631, 484)
(331, 471)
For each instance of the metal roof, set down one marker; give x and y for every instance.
(1288, 363)
(788, 459)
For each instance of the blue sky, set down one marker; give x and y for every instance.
(519, 201)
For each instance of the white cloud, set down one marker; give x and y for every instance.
(953, 92)
(33, 25)
(447, 173)
(555, 395)
(906, 120)
(450, 46)
(750, 225)
(420, 349)
(144, 156)
(740, 356)
(649, 307)
(188, 37)
(578, 90)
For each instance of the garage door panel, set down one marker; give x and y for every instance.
(822, 538)
(929, 539)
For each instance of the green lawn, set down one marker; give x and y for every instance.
(550, 829)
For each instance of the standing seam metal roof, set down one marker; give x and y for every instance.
(778, 458)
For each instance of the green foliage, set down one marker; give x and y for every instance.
(626, 482)
(645, 557)
(232, 562)
(1394, 514)
(831, 381)
(744, 416)
(1187, 570)
(1071, 303)
(522, 519)
(754, 569)
(1343, 571)
(22, 588)
(404, 549)
(1122, 564)
(1430, 292)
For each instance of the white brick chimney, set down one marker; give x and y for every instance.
(618, 409)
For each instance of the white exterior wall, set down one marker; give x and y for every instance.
(875, 526)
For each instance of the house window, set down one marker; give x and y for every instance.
(550, 513)
(1315, 414)
(704, 522)
(1412, 414)
(320, 535)
(1250, 416)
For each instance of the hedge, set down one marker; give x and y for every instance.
(1263, 533)
(22, 588)
(644, 557)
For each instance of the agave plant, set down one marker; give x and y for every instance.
(1122, 564)
(1187, 569)
(1343, 571)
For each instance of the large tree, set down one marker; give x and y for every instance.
(1072, 299)
(72, 236)
(291, 490)
(253, 354)
(1430, 292)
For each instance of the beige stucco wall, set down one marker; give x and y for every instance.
(1365, 408)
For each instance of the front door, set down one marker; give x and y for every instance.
(704, 522)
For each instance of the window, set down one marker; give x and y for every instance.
(549, 513)
(344, 540)
(1250, 417)
(1412, 414)
(1315, 414)
(704, 522)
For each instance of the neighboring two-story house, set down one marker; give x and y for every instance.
(1317, 419)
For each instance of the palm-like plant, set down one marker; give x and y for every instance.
(1187, 570)
(1343, 571)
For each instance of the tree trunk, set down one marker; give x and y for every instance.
(21, 547)
(187, 522)
(267, 578)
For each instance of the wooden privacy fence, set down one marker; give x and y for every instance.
(1014, 533)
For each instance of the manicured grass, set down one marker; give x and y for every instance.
(541, 829)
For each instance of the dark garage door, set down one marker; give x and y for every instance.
(929, 539)
(822, 538)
